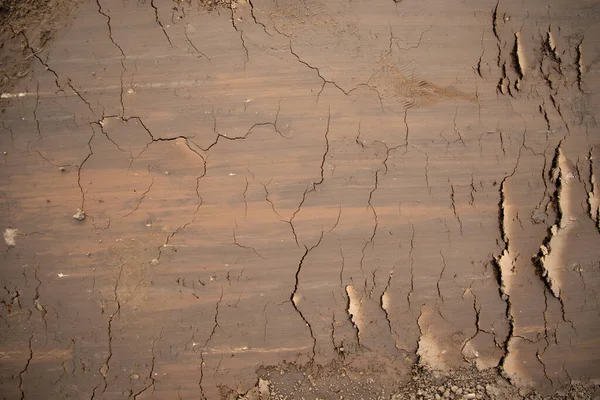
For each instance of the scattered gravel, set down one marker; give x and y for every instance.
(217, 3)
(290, 382)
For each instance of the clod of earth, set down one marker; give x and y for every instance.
(79, 215)
(10, 235)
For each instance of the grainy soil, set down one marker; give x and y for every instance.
(286, 382)
(26, 28)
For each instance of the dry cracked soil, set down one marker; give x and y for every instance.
(299, 199)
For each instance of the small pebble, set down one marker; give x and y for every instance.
(79, 215)
(5, 152)
(62, 169)
(154, 261)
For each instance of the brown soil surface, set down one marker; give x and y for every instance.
(280, 199)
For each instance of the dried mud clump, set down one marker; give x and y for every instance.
(79, 215)
(10, 235)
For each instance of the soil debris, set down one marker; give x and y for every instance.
(10, 235)
(211, 4)
(291, 382)
(27, 27)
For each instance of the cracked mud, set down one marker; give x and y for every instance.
(299, 199)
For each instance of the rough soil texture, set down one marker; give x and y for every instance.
(27, 27)
(335, 382)
(300, 199)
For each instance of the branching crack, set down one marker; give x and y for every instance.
(315, 184)
(456, 215)
(342, 264)
(26, 367)
(35, 117)
(160, 23)
(426, 167)
(392, 37)
(80, 167)
(109, 27)
(123, 69)
(406, 124)
(44, 63)
(456, 130)
(106, 366)
(151, 373)
(325, 81)
(79, 95)
(245, 193)
(181, 228)
(235, 242)
(471, 193)
(36, 300)
(204, 346)
(383, 302)
(291, 221)
(420, 333)
(101, 126)
(187, 38)
(241, 32)
(370, 206)
(478, 68)
(439, 292)
(254, 17)
(225, 137)
(412, 265)
(495, 30)
(294, 298)
(140, 200)
(337, 221)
